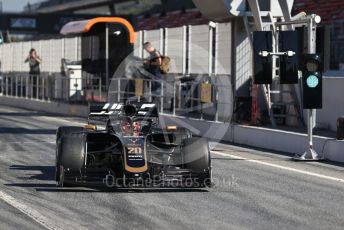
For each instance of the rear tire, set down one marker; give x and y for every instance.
(63, 130)
(197, 158)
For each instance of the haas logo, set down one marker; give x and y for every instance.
(134, 141)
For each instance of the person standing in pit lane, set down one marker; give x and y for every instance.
(34, 61)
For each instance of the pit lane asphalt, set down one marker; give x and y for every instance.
(254, 195)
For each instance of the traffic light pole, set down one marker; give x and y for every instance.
(311, 154)
(311, 22)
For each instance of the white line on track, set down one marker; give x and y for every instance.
(30, 142)
(281, 167)
(63, 120)
(33, 214)
(47, 117)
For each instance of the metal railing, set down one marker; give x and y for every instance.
(172, 97)
(48, 87)
(124, 89)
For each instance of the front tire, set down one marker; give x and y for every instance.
(60, 180)
(197, 158)
(62, 151)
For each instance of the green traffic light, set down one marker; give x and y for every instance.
(312, 81)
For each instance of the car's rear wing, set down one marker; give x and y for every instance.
(104, 110)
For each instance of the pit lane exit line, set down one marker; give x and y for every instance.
(280, 167)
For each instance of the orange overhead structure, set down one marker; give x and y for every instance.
(84, 26)
(105, 43)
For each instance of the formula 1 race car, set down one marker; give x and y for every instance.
(132, 149)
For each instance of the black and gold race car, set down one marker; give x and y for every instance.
(131, 149)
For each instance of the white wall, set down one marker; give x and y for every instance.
(176, 49)
(223, 48)
(138, 44)
(243, 60)
(154, 37)
(333, 101)
(13, 55)
(278, 140)
(199, 49)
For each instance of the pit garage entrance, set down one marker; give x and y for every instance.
(105, 43)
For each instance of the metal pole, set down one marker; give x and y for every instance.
(310, 128)
(174, 98)
(184, 54)
(180, 94)
(21, 86)
(43, 88)
(37, 87)
(162, 98)
(6, 86)
(49, 88)
(2, 87)
(138, 97)
(16, 85)
(210, 49)
(119, 90)
(100, 88)
(27, 78)
(150, 90)
(31, 86)
(310, 154)
(107, 55)
(201, 111)
(217, 106)
(311, 49)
